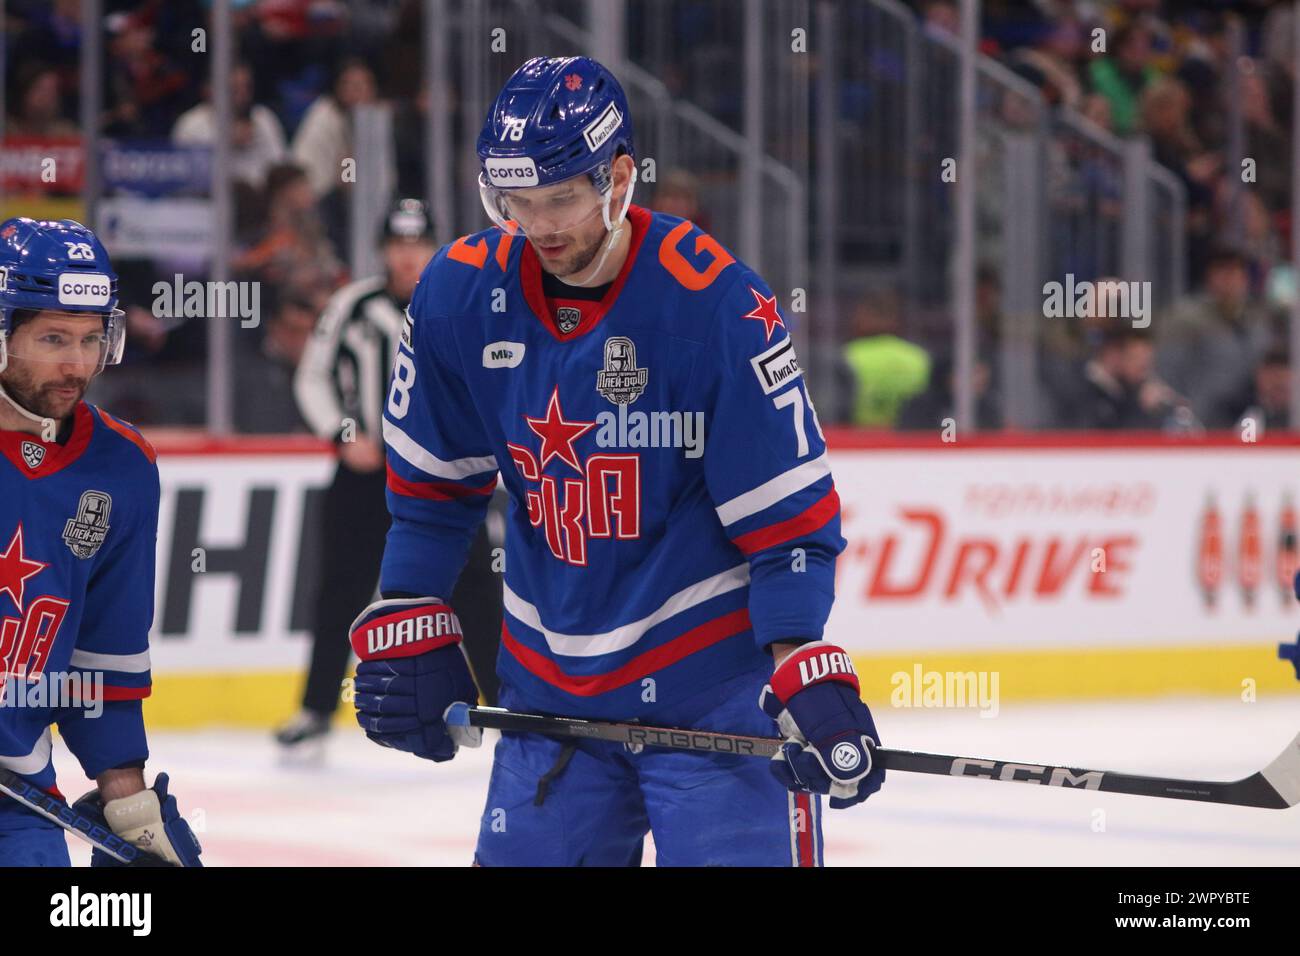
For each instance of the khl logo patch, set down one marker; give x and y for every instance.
(33, 454)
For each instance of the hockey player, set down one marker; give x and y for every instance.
(673, 529)
(79, 523)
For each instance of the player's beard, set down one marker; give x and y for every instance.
(42, 399)
(577, 261)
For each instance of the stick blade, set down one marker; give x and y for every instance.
(1283, 774)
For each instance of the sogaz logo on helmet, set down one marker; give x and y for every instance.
(84, 288)
(512, 172)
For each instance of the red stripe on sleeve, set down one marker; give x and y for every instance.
(814, 517)
(126, 693)
(437, 490)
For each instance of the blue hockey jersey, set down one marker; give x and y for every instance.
(78, 534)
(672, 509)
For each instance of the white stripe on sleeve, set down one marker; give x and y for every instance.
(123, 663)
(413, 453)
(770, 492)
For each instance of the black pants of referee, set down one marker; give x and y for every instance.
(355, 523)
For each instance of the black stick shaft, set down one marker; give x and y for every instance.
(57, 811)
(1253, 791)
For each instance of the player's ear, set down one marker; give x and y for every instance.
(624, 167)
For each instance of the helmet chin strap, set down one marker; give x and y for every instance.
(615, 231)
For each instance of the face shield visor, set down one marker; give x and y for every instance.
(541, 212)
(67, 339)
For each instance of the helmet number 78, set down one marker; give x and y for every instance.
(514, 130)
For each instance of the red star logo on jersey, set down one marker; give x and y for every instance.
(557, 434)
(573, 82)
(15, 569)
(765, 312)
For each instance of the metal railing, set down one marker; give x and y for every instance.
(1055, 195)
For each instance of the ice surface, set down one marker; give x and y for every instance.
(365, 805)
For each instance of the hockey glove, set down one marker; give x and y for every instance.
(412, 669)
(830, 738)
(150, 821)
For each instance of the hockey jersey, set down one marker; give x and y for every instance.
(672, 509)
(78, 534)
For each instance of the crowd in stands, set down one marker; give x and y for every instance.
(1167, 73)
(1174, 73)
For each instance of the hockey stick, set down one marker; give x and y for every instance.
(1276, 787)
(57, 811)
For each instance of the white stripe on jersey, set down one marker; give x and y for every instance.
(410, 451)
(33, 762)
(772, 491)
(123, 663)
(621, 638)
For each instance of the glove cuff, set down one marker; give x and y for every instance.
(404, 628)
(813, 663)
(137, 819)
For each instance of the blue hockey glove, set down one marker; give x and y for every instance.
(149, 820)
(412, 669)
(830, 737)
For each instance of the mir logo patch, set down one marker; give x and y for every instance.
(503, 354)
(85, 533)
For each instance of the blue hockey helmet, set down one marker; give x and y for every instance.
(57, 265)
(555, 118)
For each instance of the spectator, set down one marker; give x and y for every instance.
(257, 137)
(324, 139)
(1055, 60)
(146, 89)
(933, 408)
(40, 106)
(1268, 405)
(264, 397)
(1123, 72)
(1268, 141)
(1212, 342)
(1166, 118)
(887, 369)
(678, 194)
(1118, 389)
(292, 248)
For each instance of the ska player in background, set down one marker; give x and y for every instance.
(648, 576)
(78, 531)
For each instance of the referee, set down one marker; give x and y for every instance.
(341, 386)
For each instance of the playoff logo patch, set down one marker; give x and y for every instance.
(85, 532)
